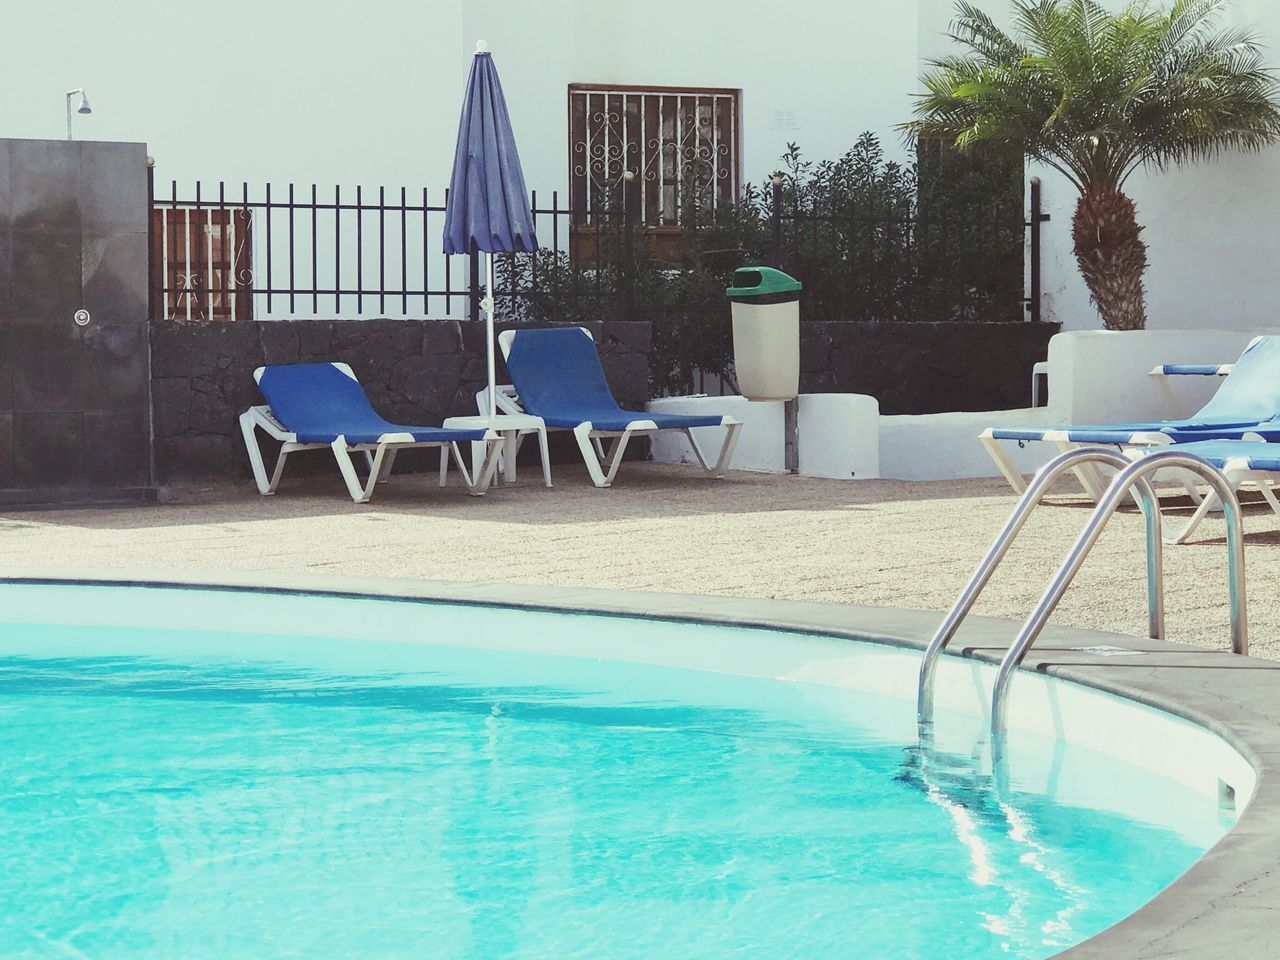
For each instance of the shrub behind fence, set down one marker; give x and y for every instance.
(939, 239)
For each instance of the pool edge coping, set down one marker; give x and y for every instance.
(1219, 908)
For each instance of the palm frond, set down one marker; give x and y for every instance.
(1098, 95)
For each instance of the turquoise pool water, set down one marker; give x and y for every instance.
(292, 786)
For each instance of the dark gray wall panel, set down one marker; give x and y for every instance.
(117, 450)
(6, 273)
(75, 400)
(110, 278)
(44, 185)
(112, 180)
(48, 450)
(45, 274)
(6, 188)
(6, 450)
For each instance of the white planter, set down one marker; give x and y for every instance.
(839, 436)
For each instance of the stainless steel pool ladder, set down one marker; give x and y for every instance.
(1132, 477)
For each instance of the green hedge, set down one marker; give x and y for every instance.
(937, 239)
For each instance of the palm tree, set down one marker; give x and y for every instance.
(1096, 96)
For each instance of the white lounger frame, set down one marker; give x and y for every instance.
(379, 456)
(603, 465)
(1089, 475)
(1237, 473)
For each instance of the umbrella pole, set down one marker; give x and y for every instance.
(491, 341)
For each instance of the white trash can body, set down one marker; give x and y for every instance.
(766, 333)
(766, 349)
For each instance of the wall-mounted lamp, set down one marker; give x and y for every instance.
(83, 108)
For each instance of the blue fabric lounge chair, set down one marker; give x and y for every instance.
(1246, 406)
(315, 405)
(556, 374)
(1241, 462)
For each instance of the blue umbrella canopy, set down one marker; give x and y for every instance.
(488, 205)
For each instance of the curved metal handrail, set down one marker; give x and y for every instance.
(1135, 475)
(1070, 460)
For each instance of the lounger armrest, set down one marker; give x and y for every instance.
(506, 400)
(262, 418)
(410, 440)
(1192, 370)
(397, 438)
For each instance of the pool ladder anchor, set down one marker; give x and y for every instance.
(1132, 478)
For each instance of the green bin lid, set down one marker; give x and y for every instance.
(763, 283)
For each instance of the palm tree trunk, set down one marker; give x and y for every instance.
(1112, 257)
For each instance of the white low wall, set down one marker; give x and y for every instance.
(944, 446)
(1095, 376)
(1102, 376)
(837, 433)
(760, 445)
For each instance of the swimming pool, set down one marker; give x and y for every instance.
(211, 773)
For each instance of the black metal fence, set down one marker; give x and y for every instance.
(912, 266)
(227, 253)
(233, 254)
(292, 252)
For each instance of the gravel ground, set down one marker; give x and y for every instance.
(667, 528)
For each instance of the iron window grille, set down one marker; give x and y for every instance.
(683, 145)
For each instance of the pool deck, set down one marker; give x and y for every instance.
(781, 551)
(667, 529)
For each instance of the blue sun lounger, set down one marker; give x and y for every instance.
(1246, 406)
(556, 375)
(315, 405)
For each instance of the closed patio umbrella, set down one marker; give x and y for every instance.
(488, 205)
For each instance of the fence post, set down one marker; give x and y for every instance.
(775, 219)
(1038, 216)
(152, 253)
(628, 243)
(473, 288)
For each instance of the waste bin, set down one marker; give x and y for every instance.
(766, 333)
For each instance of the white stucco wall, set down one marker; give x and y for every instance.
(325, 92)
(840, 68)
(280, 90)
(300, 90)
(1212, 239)
(1095, 377)
(1210, 228)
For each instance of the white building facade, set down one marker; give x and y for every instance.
(308, 91)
